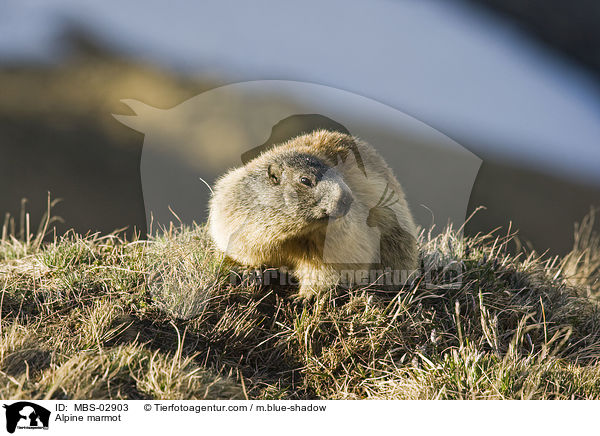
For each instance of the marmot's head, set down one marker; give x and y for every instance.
(302, 187)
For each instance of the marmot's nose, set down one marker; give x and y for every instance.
(343, 205)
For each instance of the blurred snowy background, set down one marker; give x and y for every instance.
(515, 83)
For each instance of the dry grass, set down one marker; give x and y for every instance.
(102, 317)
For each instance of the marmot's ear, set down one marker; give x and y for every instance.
(274, 173)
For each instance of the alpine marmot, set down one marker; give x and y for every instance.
(323, 204)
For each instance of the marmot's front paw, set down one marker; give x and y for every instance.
(304, 296)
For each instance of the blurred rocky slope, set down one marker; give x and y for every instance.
(569, 27)
(57, 134)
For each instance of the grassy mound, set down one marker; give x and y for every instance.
(102, 317)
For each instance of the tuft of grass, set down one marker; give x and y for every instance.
(582, 266)
(185, 272)
(100, 316)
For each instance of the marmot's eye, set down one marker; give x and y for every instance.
(305, 181)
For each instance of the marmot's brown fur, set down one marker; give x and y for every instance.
(299, 206)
